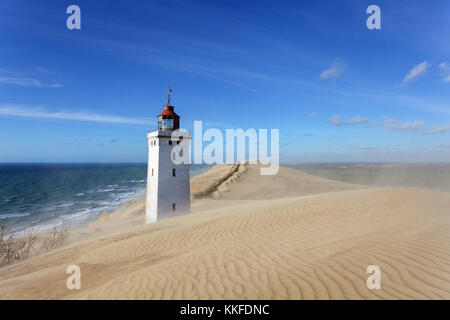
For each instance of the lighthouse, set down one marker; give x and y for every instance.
(168, 185)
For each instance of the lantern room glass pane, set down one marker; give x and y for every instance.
(165, 123)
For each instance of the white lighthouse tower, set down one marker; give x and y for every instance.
(168, 185)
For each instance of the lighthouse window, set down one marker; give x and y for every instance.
(170, 142)
(173, 207)
(173, 173)
(165, 123)
(152, 172)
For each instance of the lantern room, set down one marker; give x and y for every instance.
(168, 120)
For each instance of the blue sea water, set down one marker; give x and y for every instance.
(73, 194)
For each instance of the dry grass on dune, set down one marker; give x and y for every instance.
(208, 182)
(313, 247)
(14, 248)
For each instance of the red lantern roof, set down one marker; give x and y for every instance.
(168, 111)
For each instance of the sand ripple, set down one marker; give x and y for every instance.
(312, 247)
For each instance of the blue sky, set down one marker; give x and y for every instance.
(336, 90)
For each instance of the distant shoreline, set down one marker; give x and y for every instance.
(431, 176)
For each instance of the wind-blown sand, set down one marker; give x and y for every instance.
(289, 236)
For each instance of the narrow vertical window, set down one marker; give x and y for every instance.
(173, 207)
(170, 142)
(152, 172)
(173, 173)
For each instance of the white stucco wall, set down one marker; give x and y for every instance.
(163, 189)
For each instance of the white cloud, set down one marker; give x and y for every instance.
(394, 125)
(38, 113)
(355, 120)
(28, 82)
(415, 72)
(313, 114)
(439, 129)
(336, 69)
(445, 69)
(337, 120)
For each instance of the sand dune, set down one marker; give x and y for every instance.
(286, 183)
(221, 182)
(316, 246)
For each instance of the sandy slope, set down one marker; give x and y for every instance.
(232, 184)
(286, 183)
(303, 247)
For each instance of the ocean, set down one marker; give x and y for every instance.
(48, 195)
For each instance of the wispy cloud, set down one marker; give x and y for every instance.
(368, 148)
(445, 69)
(39, 113)
(355, 120)
(313, 114)
(415, 72)
(438, 129)
(337, 120)
(337, 68)
(42, 70)
(393, 124)
(28, 82)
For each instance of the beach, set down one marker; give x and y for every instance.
(288, 236)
